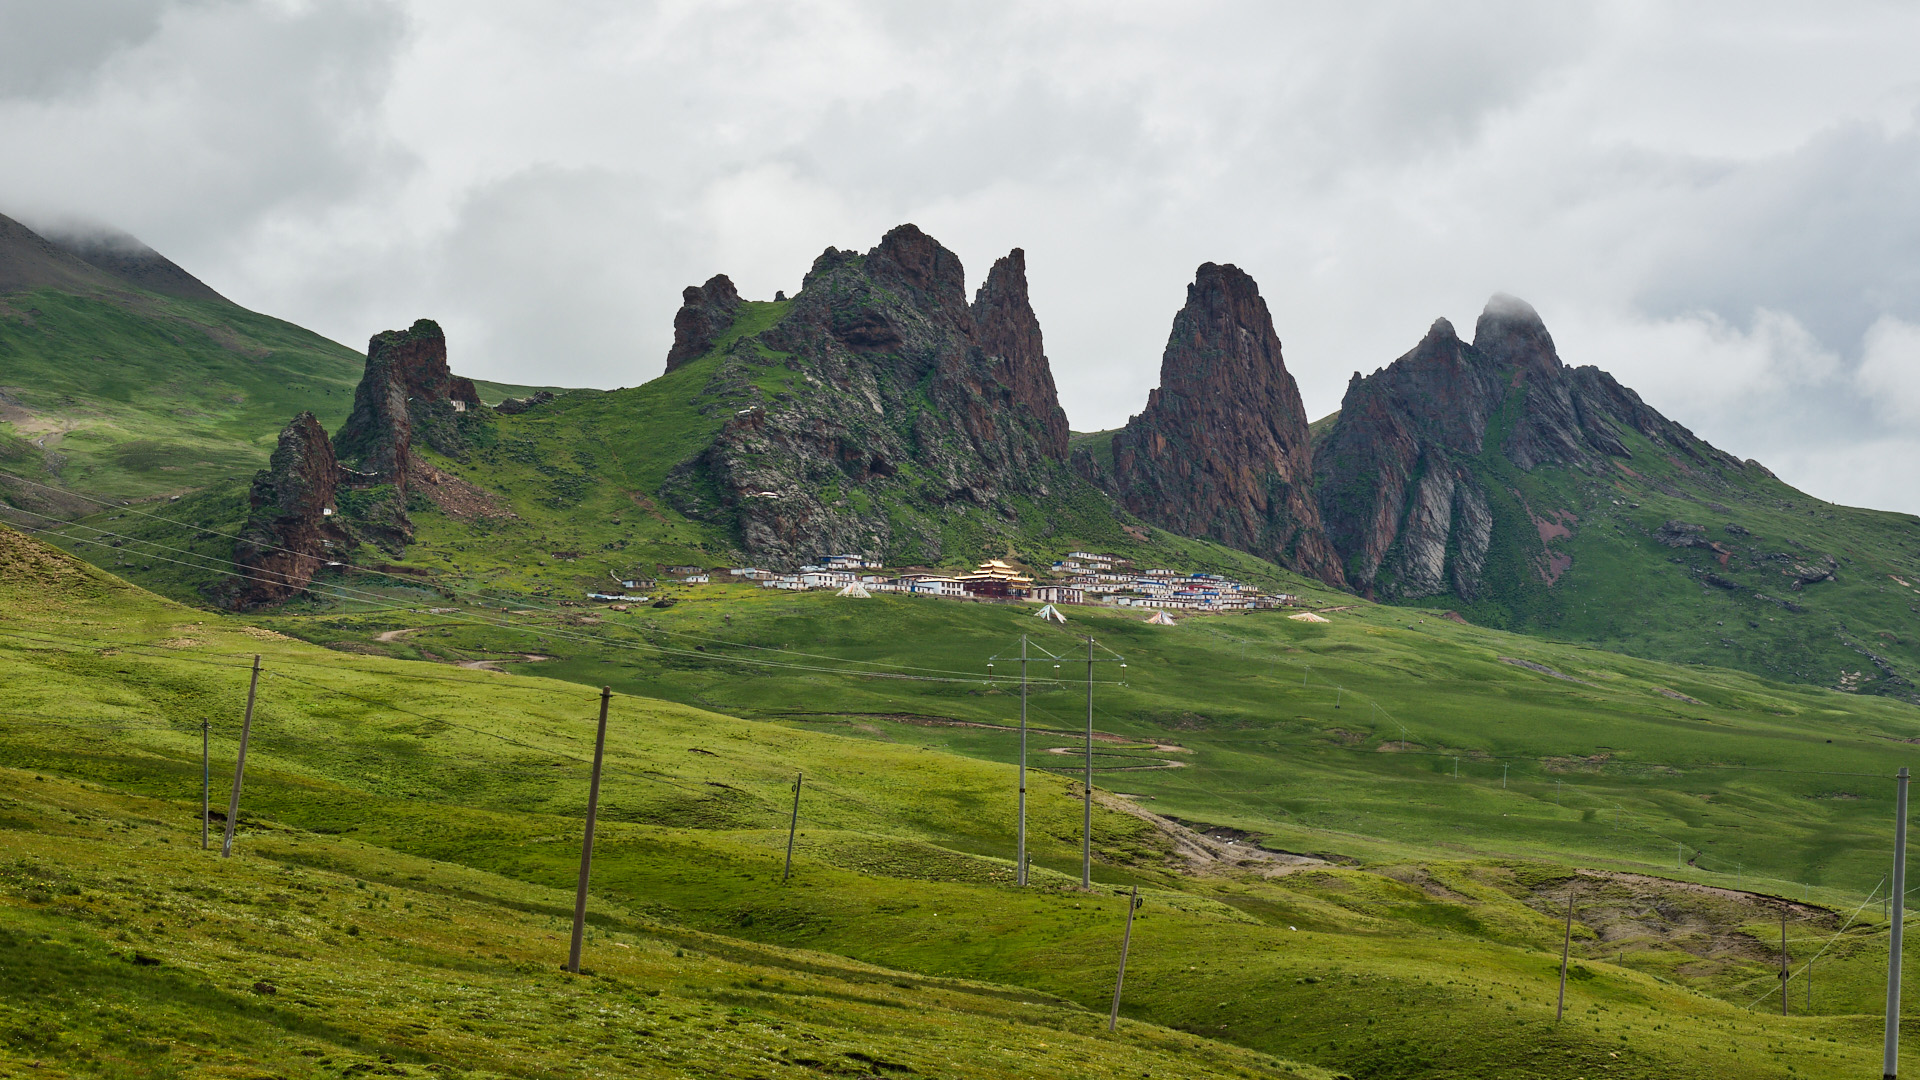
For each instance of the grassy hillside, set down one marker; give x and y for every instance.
(454, 796)
(1334, 738)
(1578, 557)
(133, 394)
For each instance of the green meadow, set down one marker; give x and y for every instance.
(1338, 903)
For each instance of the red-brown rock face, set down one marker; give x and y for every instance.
(291, 532)
(705, 313)
(1221, 450)
(1007, 328)
(1409, 490)
(407, 385)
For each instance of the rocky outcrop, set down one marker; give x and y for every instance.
(1010, 332)
(1680, 534)
(1406, 479)
(516, 406)
(318, 498)
(705, 313)
(292, 529)
(901, 416)
(1221, 450)
(407, 390)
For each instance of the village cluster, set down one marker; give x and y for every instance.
(1083, 577)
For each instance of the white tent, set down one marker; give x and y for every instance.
(855, 590)
(1050, 614)
(1308, 616)
(1161, 618)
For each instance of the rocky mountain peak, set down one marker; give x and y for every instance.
(1511, 335)
(895, 391)
(1221, 449)
(1007, 328)
(911, 257)
(705, 313)
(1406, 489)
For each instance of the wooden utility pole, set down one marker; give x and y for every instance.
(1020, 858)
(793, 825)
(1891, 1065)
(1566, 948)
(1126, 940)
(1086, 795)
(586, 841)
(1022, 862)
(206, 782)
(240, 762)
(1784, 974)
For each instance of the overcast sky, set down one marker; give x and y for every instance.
(1720, 203)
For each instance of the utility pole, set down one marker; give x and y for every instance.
(1456, 767)
(586, 841)
(1503, 776)
(793, 825)
(1086, 795)
(1020, 860)
(1784, 974)
(1566, 948)
(206, 783)
(1338, 693)
(1891, 1066)
(240, 762)
(1126, 940)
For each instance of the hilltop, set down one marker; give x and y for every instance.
(123, 376)
(1550, 499)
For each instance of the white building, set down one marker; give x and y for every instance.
(849, 562)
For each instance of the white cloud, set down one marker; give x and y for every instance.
(1889, 371)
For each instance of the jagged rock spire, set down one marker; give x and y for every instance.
(1221, 449)
(1008, 329)
(705, 313)
(291, 523)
